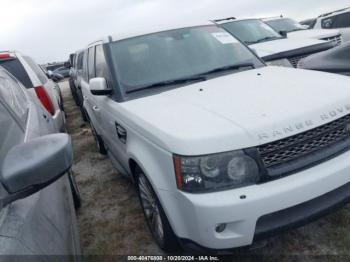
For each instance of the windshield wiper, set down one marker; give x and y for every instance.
(267, 39)
(169, 83)
(229, 68)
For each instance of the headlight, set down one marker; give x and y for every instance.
(215, 172)
(280, 62)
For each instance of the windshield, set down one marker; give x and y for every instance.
(176, 55)
(285, 24)
(252, 31)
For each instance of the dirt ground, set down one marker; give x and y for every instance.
(111, 220)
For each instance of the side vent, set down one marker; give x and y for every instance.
(122, 135)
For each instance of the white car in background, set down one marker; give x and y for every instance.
(294, 29)
(31, 75)
(339, 19)
(272, 47)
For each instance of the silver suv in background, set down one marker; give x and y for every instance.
(37, 83)
(37, 215)
(271, 46)
(339, 19)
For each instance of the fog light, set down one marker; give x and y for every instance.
(220, 228)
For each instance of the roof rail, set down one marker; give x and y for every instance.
(329, 13)
(224, 19)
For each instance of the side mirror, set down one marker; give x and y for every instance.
(283, 33)
(32, 166)
(98, 87)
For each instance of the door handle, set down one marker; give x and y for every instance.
(95, 108)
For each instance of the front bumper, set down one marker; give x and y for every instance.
(264, 210)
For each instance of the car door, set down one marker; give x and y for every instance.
(43, 223)
(112, 129)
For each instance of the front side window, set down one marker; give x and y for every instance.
(85, 73)
(100, 62)
(252, 31)
(285, 24)
(146, 60)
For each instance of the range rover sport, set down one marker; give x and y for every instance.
(223, 149)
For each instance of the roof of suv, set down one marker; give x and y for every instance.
(336, 12)
(138, 29)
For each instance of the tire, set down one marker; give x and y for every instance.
(155, 216)
(75, 191)
(99, 141)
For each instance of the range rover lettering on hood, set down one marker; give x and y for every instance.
(305, 124)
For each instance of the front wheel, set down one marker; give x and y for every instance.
(155, 216)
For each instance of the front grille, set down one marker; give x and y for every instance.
(294, 147)
(295, 60)
(335, 39)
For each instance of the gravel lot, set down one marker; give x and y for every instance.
(111, 220)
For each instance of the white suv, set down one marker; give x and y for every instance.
(223, 150)
(339, 19)
(294, 29)
(272, 47)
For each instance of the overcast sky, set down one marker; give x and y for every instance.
(49, 30)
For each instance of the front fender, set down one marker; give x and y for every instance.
(155, 162)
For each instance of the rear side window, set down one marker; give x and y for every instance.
(13, 95)
(100, 62)
(91, 62)
(15, 67)
(37, 70)
(80, 61)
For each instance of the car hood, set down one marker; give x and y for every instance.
(314, 33)
(281, 46)
(238, 111)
